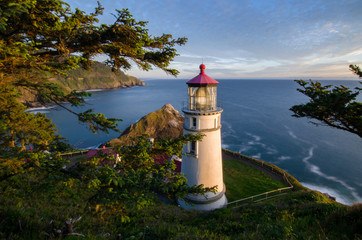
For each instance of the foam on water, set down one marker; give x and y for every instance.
(255, 137)
(339, 197)
(316, 170)
(225, 146)
(39, 110)
(244, 148)
(282, 159)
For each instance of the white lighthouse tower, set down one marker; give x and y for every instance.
(202, 163)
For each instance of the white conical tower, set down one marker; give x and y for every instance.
(202, 160)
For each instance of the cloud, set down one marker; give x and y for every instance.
(261, 39)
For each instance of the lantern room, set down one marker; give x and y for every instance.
(202, 92)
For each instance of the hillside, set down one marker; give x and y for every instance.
(94, 202)
(166, 122)
(100, 76)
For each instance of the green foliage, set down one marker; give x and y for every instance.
(19, 128)
(336, 107)
(356, 70)
(42, 38)
(36, 203)
(112, 190)
(156, 177)
(174, 146)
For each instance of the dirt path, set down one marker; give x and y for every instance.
(74, 159)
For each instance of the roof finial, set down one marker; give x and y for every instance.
(202, 69)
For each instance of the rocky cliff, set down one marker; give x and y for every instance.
(100, 76)
(164, 123)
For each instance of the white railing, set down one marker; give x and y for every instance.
(261, 196)
(266, 195)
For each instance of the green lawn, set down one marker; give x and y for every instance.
(242, 180)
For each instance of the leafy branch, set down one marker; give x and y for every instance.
(331, 106)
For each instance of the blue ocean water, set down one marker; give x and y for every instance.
(256, 122)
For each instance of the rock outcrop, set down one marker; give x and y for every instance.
(166, 122)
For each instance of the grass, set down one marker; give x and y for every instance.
(34, 203)
(243, 180)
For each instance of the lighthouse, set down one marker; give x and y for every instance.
(202, 161)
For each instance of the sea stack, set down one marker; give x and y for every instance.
(202, 161)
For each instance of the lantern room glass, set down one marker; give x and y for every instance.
(202, 98)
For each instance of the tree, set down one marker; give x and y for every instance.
(134, 182)
(336, 107)
(19, 128)
(46, 37)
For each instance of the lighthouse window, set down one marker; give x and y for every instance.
(193, 147)
(194, 122)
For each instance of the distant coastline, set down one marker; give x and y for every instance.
(34, 106)
(99, 78)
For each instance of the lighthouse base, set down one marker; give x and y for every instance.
(203, 203)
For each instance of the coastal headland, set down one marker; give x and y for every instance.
(100, 76)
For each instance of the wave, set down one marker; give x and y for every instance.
(281, 159)
(290, 132)
(271, 150)
(225, 146)
(39, 110)
(228, 131)
(316, 170)
(257, 142)
(257, 156)
(339, 197)
(294, 136)
(256, 137)
(284, 158)
(93, 90)
(244, 148)
(227, 126)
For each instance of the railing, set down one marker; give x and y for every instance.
(195, 129)
(71, 154)
(266, 195)
(258, 197)
(81, 152)
(196, 107)
(290, 180)
(261, 196)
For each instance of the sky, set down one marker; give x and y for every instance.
(266, 39)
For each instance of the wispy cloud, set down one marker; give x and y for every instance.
(261, 39)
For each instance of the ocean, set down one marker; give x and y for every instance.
(256, 122)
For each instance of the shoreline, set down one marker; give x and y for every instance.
(34, 106)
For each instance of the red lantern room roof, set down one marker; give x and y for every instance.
(202, 78)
